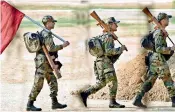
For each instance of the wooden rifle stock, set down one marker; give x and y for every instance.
(105, 26)
(153, 19)
(52, 64)
(147, 12)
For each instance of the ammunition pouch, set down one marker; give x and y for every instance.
(55, 54)
(59, 64)
(114, 58)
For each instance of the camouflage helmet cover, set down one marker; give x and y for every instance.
(112, 20)
(162, 16)
(48, 18)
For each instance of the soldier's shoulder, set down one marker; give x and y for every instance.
(158, 32)
(107, 34)
(108, 37)
(45, 33)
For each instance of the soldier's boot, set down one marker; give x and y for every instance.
(114, 104)
(56, 104)
(173, 101)
(84, 95)
(31, 107)
(137, 102)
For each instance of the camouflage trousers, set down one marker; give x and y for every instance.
(161, 72)
(44, 71)
(105, 74)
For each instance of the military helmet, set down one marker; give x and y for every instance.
(112, 20)
(48, 18)
(163, 16)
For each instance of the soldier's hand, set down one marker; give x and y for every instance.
(65, 44)
(123, 47)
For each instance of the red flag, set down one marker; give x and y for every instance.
(10, 21)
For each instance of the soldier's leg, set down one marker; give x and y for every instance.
(37, 86)
(111, 79)
(147, 85)
(100, 82)
(100, 78)
(169, 83)
(53, 85)
(112, 84)
(52, 82)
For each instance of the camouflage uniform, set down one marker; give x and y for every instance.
(43, 69)
(159, 67)
(104, 68)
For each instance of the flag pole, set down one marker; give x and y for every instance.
(44, 28)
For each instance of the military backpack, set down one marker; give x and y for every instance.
(148, 42)
(95, 46)
(32, 41)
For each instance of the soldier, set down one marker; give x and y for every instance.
(158, 67)
(44, 70)
(104, 68)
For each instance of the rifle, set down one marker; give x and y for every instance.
(52, 64)
(50, 60)
(105, 26)
(153, 19)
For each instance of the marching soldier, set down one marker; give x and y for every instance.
(158, 67)
(104, 68)
(44, 70)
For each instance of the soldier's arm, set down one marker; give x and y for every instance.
(159, 47)
(109, 47)
(48, 40)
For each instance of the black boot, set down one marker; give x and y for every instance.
(84, 95)
(137, 102)
(173, 101)
(31, 107)
(56, 105)
(114, 104)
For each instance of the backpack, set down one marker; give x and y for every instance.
(148, 41)
(32, 41)
(95, 46)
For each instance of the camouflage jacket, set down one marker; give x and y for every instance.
(50, 45)
(160, 48)
(108, 46)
